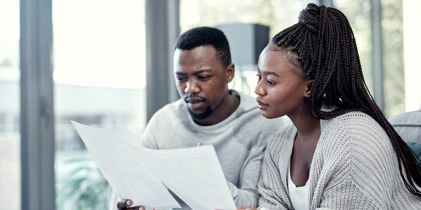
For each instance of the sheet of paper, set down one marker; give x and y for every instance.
(193, 174)
(118, 159)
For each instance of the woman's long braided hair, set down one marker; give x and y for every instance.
(324, 45)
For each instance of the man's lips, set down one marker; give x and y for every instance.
(195, 103)
(194, 100)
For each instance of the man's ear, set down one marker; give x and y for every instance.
(309, 86)
(230, 72)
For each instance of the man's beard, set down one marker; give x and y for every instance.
(200, 116)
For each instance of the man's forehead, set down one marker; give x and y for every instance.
(200, 51)
(195, 59)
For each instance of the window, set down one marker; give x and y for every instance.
(399, 51)
(9, 106)
(411, 45)
(275, 14)
(99, 63)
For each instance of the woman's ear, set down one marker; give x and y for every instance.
(309, 86)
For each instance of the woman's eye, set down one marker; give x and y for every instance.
(258, 77)
(270, 83)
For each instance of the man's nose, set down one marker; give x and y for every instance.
(191, 87)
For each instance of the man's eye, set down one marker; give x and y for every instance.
(181, 79)
(203, 78)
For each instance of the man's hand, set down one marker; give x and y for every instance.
(126, 204)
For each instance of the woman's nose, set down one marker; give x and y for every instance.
(259, 90)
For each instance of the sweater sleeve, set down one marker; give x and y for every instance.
(357, 169)
(273, 193)
(149, 139)
(246, 194)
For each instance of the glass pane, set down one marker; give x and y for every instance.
(9, 106)
(394, 84)
(411, 45)
(358, 15)
(275, 14)
(99, 61)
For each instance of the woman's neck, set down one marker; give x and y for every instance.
(307, 125)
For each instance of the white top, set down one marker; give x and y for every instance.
(299, 195)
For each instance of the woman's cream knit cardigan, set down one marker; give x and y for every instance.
(354, 167)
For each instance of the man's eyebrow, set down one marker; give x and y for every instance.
(194, 73)
(201, 71)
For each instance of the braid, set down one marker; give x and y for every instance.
(325, 49)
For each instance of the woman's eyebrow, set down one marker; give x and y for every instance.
(267, 73)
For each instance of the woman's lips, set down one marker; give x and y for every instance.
(262, 105)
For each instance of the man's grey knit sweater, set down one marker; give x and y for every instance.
(354, 167)
(239, 141)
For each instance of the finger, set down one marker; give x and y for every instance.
(132, 208)
(135, 208)
(124, 203)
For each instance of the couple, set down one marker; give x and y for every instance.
(340, 152)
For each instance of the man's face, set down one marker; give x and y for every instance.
(201, 79)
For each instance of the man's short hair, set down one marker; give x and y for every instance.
(201, 36)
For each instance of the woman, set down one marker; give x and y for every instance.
(340, 152)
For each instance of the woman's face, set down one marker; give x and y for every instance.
(281, 88)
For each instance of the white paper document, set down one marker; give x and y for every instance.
(193, 174)
(123, 168)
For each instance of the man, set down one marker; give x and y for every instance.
(209, 113)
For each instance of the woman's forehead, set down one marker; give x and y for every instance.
(277, 61)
